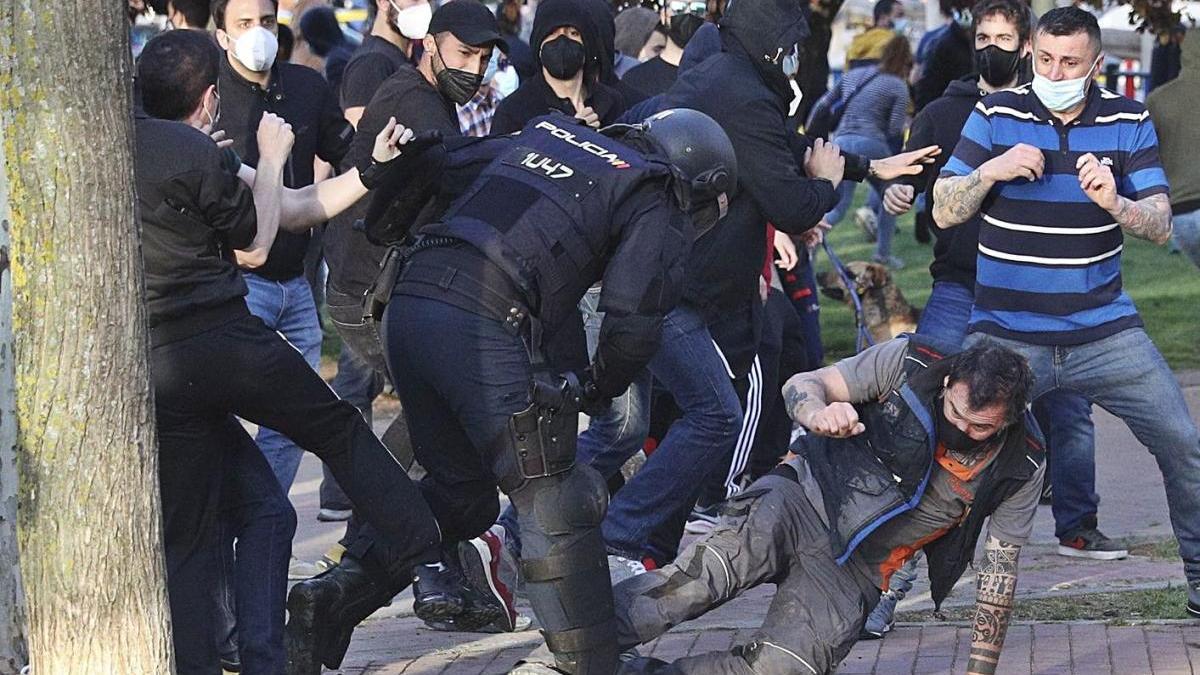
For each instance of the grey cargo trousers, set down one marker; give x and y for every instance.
(768, 534)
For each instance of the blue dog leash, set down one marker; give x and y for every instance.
(863, 339)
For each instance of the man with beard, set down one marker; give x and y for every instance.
(933, 441)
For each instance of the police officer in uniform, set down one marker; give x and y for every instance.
(486, 345)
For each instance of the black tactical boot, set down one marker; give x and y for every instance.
(323, 612)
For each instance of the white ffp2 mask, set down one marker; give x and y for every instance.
(413, 22)
(256, 49)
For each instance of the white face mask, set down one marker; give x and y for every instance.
(1061, 95)
(413, 22)
(213, 117)
(256, 49)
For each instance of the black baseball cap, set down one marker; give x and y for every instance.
(470, 22)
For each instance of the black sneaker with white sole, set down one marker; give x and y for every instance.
(1089, 542)
(441, 593)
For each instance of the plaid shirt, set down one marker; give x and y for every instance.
(475, 116)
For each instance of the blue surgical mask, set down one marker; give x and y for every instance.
(1061, 95)
(492, 66)
(900, 24)
(791, 63)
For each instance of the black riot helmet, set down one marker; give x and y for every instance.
(702, 161)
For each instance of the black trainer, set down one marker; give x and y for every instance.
(1089, 542)
(442, 595)
(1193, 605)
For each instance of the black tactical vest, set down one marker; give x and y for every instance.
(547, 211)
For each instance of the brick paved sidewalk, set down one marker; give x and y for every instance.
(394, 646)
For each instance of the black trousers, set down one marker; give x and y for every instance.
(241, 367)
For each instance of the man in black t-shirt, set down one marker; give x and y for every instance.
(395, 26)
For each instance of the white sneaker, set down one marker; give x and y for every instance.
(621, 568)
(298, 569)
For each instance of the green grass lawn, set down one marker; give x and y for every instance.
(1165, 287)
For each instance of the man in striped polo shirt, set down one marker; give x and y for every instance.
(1059, 171)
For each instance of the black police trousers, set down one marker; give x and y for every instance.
(241, 367)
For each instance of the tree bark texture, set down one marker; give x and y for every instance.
(89, 522)
(13, 654)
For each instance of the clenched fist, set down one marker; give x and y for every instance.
(1020, 161)
(836, 420)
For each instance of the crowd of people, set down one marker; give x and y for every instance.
(518, 215)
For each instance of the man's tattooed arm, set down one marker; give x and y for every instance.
(1148, 218)
(995, 587)
(957, 198)
(805, 396)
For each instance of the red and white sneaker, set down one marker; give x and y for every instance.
(489, 567)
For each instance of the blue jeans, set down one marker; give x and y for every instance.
(287, 308)
(1065, 416)
(614, 437)
(1126, 375)
(688, 365)
(871, 148)
(1187, 233)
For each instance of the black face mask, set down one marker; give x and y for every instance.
(563, 57)
(997, 66)
(457, 85)
(683, 27)
(957, 440)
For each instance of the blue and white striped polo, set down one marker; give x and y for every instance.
(1049, 262)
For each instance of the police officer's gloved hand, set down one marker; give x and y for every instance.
(376, 173)
(591, 402)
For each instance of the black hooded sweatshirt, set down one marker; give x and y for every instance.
(535, 97)
(747, 94)
(941, 123)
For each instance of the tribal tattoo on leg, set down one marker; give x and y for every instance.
(995, 587)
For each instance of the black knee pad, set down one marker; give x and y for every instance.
(565, 503)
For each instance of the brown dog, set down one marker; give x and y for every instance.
(886, 313)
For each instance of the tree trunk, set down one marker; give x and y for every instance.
(89, 522)
(12, 603)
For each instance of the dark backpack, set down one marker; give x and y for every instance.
(826, 114)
